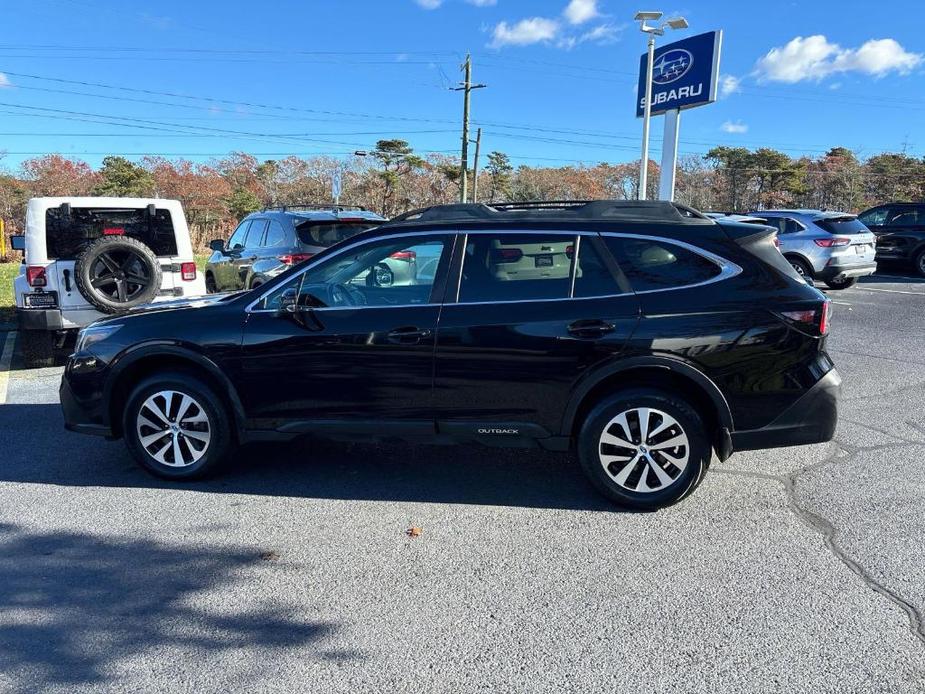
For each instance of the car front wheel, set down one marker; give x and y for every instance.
(176, 427)
(920, 263)
(644, 448)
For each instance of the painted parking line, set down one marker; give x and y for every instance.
(889, 291)
(6, 362)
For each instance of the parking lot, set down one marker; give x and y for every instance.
(799, 569)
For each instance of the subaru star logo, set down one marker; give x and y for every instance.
(672, 65)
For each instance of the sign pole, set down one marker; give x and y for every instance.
(669, 155)
(646, 118)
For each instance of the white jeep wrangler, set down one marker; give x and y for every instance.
(86, 258)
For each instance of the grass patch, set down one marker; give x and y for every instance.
(7, 272)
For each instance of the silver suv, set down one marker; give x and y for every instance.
(833, 247)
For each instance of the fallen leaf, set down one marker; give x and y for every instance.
(414, 532)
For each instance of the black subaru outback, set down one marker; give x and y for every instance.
(643, 337)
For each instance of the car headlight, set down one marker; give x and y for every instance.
(92, 334)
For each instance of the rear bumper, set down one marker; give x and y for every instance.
(40, 319)
(811, 419)
(830, 272)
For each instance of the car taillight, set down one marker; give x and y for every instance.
(817, 318)
(188, 271)
(113, 231)
(294, 258)
(405, 255)
(507, 255)
(36, 276)
(829, 243)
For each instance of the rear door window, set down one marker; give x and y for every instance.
(516, 267)
(276, 235)
(328, 233)
(651, 264)
(255, 233)
(66, 235)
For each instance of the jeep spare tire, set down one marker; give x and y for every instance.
(117, 273)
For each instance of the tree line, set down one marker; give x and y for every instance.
(392, 179)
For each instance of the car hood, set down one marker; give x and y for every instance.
(184, 304)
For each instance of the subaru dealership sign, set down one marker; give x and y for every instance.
(685, 74)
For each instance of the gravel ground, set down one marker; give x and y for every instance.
(794, 570)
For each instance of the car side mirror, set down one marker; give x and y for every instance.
(18, 243)
(288, 302)
(217, 245)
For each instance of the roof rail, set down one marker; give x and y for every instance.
(314, 206)
(538, 210)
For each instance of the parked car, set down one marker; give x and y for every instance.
(671, 338)
(900, 231)
(832, 247)
(89, 257)
(733, 217)
(269, 242)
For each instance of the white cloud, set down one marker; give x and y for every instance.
(814, 57)
(524, 32)
(580, 11)
(729, 84)
(429, 4)
(737, 128)
(5, 81)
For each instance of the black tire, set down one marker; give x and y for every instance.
(211, 287)
(38, 348)
(846, 283)
(117, 273)
(698, 450)
(802, 267)
(256, 283)
(206, 402)
(920, 263)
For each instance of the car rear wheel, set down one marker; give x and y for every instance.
(843, 283)
(801, 267)
(211, 287)
(176, 427)
(644, 448)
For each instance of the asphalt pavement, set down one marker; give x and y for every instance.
(792, 570)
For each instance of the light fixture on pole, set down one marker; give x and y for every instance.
(674, 23)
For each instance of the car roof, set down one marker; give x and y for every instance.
(803, 212)
(320, 213)
(733, 217)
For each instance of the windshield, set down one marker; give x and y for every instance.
(842, 225)
(328, 233)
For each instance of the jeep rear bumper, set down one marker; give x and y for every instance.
(811, 419)
(40, 319)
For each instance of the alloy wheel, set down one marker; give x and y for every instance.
(644, 450)
(173, 428)
(799, 269)
(120, 275)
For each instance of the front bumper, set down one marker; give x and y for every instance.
(83, 409)
(811, 419)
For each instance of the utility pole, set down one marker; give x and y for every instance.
(466, 88)
(475, 166)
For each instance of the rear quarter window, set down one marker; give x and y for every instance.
(66, 235)
(651, 265)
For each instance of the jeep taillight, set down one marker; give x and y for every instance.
(188, 271)
(829, 243)
(36, 276)
(812, 319)
(294, 258)
(507, 255)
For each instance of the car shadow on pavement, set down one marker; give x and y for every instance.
(75, 605)
(893, 275)
(37, 449)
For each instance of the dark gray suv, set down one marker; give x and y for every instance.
(271, 241)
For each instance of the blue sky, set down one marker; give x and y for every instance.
(200, 79)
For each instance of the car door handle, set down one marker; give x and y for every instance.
(408, 335)
(590, 329)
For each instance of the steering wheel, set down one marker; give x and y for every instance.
(343, 295)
